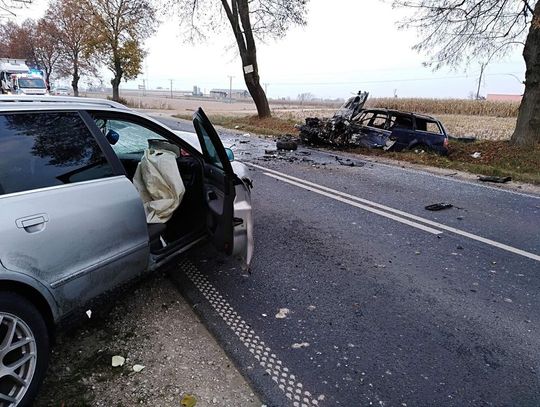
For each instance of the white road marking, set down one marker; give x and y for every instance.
(332, 193)
(280, 374)
(358, 205)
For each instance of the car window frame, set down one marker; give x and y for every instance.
(142, 121)
(116, 170)
(439, 125)
(407, 115)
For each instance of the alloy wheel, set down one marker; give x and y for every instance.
(18, 356)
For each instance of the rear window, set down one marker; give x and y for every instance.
(428, 125)
(41, 150)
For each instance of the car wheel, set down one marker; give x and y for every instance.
(24, 350)
(420, 148)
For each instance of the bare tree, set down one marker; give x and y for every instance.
(120, 28)
(460, 31)
(16, 41)
(249, 20)
(8, 7)
(75, 40)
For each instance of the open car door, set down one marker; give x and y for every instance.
(219, 180)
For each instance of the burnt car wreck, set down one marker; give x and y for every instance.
(391, 130)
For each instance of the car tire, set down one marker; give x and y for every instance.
(286, 145)
(421, 147)
(20, 316)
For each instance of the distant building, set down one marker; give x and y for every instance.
(224, 93)
(499, 97)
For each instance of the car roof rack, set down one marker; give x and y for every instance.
(61, 99)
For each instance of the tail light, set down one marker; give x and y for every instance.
(445, 142)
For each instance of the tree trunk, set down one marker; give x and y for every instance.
(254, 87)
(239, 15)
(115, 91)
(527, 132)
(48, 79)
(75, 81)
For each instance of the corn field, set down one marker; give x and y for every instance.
(447, 106)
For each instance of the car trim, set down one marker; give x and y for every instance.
(89, 269)
(53, 99)
(37, 190)
(100, 138)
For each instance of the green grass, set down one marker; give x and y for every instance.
(497, 158)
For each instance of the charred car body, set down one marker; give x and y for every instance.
(391, 130)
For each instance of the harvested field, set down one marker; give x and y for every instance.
(448, 106)
(481, 127)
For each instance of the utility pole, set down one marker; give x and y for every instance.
(171, 87)
(230, 88)
(144, 87)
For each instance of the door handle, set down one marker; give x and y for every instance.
(32, 223)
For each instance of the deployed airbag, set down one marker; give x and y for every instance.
(160, 185)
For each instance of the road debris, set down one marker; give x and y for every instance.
(89, 313)
(282, 313)
(287, 144)
(438, 206)
(476, 154)
(188, 401)
(300, 345)
(118, 361)
(492, 178)
(311, 307)
(138, 368)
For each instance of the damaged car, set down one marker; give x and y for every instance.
(93, 195)
(391, 130)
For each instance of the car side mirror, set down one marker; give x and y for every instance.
(230, 154)
(112, 137)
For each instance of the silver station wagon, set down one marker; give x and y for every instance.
(93, 194)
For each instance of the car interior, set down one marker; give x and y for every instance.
(129, 140)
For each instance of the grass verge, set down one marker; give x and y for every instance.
(497, 158)
(273, 126)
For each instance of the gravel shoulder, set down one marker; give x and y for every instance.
(150, 325)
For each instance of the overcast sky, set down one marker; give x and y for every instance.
(346, 46)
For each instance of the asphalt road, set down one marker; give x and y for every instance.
(387, 304)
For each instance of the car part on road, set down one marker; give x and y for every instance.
(24, 350)
(439, 206)
(492, 178)
(286, 145)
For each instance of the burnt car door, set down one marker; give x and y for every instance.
(219, 185)
(374, 133)
(403, 130)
